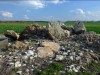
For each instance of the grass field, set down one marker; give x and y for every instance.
(90, 26)
(16, 26)
(19, 26)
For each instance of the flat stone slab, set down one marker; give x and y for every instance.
(3, 41)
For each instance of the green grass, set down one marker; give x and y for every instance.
(51, 69)
(90, 26)
(20, 26)
(55, 68)
(94, 26)
(16, 26)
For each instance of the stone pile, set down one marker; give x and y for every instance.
(54, 43)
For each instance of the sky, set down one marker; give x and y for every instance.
(50, 10)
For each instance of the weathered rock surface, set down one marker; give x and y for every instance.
(2, 36)
(20, 45)
(3, 41)
(44, 52)
(96, 44)
(47, 49)
(55, 31)
(86, 36)
(52, 45)
(59, 57)
(12, 34)
(79, 27)
(31, 30)
(70, 29)
(52, 31)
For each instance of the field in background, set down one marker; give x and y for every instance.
(16, 26)
(90, 26)
(20, 26)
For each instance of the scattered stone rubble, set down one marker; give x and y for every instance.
(76, 52)
(20, 45)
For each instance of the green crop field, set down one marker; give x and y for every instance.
(90, 26)
(20, 26)
(16, 26)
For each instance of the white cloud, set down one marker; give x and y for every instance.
(81, 11)
(93, 13)
(78, 11)
(85, 15)
(26, 17)
(6, 14)
(42, 3)
(36, 3)
(58, 1)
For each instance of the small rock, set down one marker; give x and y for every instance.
(72, 58)
(73, 53)
(81, 53)
(73, 68)
(25, 57)
(30, 53)
(17, 64)
(19, 45)
(19, 72)
(65, 53)
(78, 58)
(24, 64)
(62, 48)
(59, 57)
(68, 51)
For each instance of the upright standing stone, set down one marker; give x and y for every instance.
(79, 27)
(55, 31)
